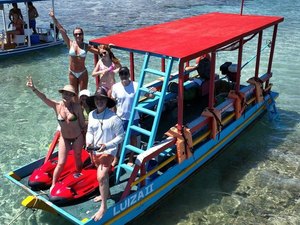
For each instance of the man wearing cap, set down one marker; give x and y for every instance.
(104, 130)
(124, 92)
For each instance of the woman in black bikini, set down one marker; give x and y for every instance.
(72, 126)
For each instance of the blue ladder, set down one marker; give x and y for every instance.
(271, 107)
(138, 107)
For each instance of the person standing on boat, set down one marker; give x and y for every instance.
(106, 67)
(15, 10)
(105, 130)
(70, 118)
(33, 14)
(78, 74)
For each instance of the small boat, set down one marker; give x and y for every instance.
(45, 37)
(187, 123)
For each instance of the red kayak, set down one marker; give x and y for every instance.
(76, 186)
(41, 178)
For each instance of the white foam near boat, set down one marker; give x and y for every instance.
(44, 38)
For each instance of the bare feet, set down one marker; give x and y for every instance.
(51, 188)
(99, 214)
(98, 198)
(130, 164)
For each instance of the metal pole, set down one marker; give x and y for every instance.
(211, 98)
(242, 7)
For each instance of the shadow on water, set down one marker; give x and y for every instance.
(222, 191)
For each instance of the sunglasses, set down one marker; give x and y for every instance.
(103, 53)
(78, 34)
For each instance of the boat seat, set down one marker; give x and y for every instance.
(19, 39)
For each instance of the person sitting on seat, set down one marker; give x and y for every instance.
(203, 68)
(18, 24)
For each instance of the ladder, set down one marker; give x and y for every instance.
(271, 107)
(138, 107)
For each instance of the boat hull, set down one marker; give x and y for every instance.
(139, 201)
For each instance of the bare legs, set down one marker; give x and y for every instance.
(103, 179)
(63, 147)
(82, 81)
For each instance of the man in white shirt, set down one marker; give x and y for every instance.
(105, 130)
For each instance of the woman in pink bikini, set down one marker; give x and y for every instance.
(106, 68)
(78, 75)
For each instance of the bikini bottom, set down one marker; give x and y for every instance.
(77, 74)
(72, 140)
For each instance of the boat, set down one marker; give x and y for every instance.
(186, 124)
(45, 37)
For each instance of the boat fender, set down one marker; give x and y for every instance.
(216, 123)
(184, 143)
(258, 88)
(239, 102)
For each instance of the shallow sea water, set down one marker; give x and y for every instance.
(256, 180)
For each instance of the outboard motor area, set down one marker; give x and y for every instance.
(229, 70)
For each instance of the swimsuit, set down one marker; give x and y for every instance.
(72, 140)
(62, 119)
(81, 54)
(77, 74)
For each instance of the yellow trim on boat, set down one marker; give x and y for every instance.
(34, 202)
(15, 176)
(115, 218)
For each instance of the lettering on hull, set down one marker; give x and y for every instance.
(133, 199)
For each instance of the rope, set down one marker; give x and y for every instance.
(24, 210)
(267, 45)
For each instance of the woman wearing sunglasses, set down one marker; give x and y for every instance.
(78, 75)
(106, 68)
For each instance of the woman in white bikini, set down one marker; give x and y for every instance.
(106, 68)
(72, 126)
(78, 74)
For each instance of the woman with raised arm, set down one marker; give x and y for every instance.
(78, 74)
(72, 126)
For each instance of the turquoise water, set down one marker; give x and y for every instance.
(255, 181)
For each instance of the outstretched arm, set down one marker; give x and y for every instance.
(41, 95)
(60, 28)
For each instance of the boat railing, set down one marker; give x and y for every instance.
(142, 160)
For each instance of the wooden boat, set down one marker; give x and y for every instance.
(45, 37)
(185, 124)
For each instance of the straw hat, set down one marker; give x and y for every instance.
(68, 88)
(100, 92)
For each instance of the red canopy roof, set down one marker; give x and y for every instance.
(189, 36)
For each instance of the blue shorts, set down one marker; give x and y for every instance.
(125, 125)
(32, 23)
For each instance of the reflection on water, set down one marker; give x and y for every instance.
(255, 181)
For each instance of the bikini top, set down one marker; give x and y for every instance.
(71, 117)
(82, 52)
